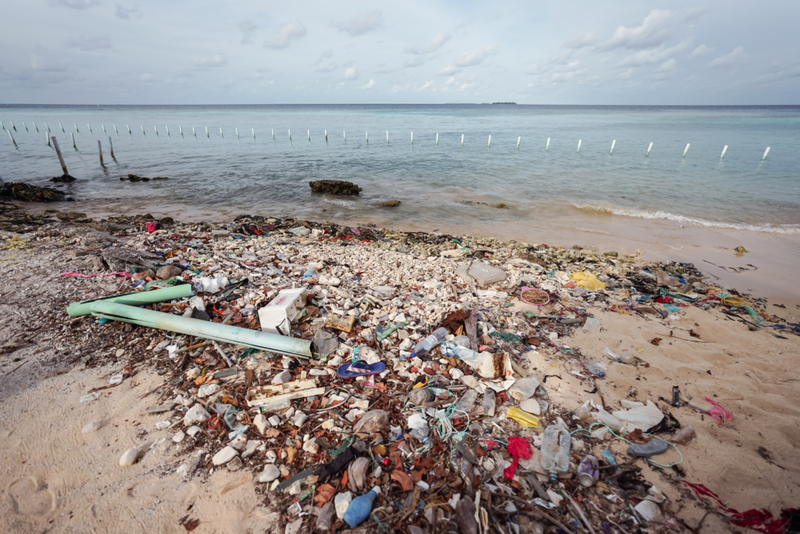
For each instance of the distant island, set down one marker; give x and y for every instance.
(504, 103)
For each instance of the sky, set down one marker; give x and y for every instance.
(617, 52)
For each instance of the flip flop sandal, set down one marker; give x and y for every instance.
(360, 368)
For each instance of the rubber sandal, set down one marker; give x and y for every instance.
(360, 368)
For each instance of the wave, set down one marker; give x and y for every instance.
(790, 229)
(350, 204)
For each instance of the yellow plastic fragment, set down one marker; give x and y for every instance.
(587, 281)
(522, 417)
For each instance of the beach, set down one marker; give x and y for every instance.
(58, 477)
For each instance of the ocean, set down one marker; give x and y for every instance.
(445, 185)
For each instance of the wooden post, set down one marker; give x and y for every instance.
(100, 151)
(73, 141)
(60, 157)
(111, 148)
(12, 138)
(47, 138)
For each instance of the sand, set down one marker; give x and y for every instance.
(57, 479)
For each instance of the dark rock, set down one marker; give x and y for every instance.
(135, 178)
(465, 516)
(160, 178)
(70, 216)
(334, 187)
(501, 206)
(390, 204)
(30, 193)
(166, 220)
(64, 178)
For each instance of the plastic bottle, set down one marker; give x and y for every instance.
(555, 451)
(594, 367)
(360, 508)
(310, 273)
(489, 402)
(427, 344)
(625, 357)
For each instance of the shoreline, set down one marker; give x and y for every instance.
(57, 360)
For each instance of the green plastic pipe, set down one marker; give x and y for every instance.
(289, 346)
(140, 298)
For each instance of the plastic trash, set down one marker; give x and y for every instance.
(489, 402)
(684, 435)
(524, 388)
(606, 418)
(360, 508)
(466, 401)
(594, 367)
(625, 357)
(427, 344)
(641, 417)
(590, 324)
(651, 448)
(522, 417)
(309, 274)
(588, 471)
(555, 451)
(419, 426)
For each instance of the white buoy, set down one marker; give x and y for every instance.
(37, 128)
(387, 137)
(237, 133)
(490, 141)
(614, 142)
(648, 149)
(73, 141)
(462, 139)
(437, 139)
(547, 146)
(724, 149)
(103, 126)
(579, 146)
(412, 138)
(47, 138)
(765, 154)
(62, 128)
(89, 126)
(12, 139)
(366, 136)
(143, 132)
(100, 151)
(518, 141)
(111, 148)
(685, 150)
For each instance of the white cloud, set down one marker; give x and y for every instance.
(291, 32)
(652, 56)
(89, 44)
(217, 60)
(425, 86)
(667, 66)
(77, 4)
(46, 64)
(149, 77)
(247, 27)
(656, 28)
(729, 59)
(433, 46)
(582, 41)
(351, 74)
(702, 49)
(451, 80)
(476, 57)
(124, 13)
(361, 23)
(330, 67)
(449, 70)
(369, 85)
(327, 54)
(415, 61)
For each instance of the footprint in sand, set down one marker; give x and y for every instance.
(31, 497)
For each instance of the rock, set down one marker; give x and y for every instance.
(501, 206)
(196, 414)
(341, 502)
(250, 449)
(275, 420)
(465, 516)
(293, 527)
(239, 442)
(270, 473)
(531, 406)
(421, 396)
(334, 187)
(224, 456)
(206, 390)
(177, 438)
(299, 419)
(168, 272)
(373, 421)
(91, 427)
(193, 430)
(31, 193)
(611, 254)
(271, 457)
(261, 423)
(390, 204)
(129, 457)
(144, 275)
(311, 446)
(282, 377)
(483, 273)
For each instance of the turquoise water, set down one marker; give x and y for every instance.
(435, 183)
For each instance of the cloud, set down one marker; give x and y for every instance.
(330, 67)
(667, 66)
(217, 60)
(77, 4)
(327, 54)
(351, 74)
(149, 77)
(582, 41)
(449, 70)
(361, 23)
(415, 61)
(46, 64)
(425, 86)
(551, 74)
(89, 44)
(369, 85)
(433, 46)
(291, 32)
(656, 28)
(476, 57)
(728, 59)
(247, 27)
(652, 56)
(702, 49)
(124, 13)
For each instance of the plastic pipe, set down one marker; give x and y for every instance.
(76, 309)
